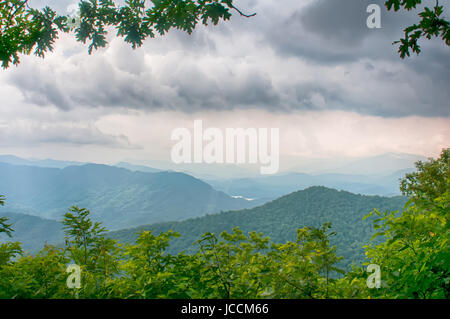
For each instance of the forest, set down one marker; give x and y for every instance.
(410, 246)
(279, 220)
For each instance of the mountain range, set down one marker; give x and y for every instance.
(116, 196)
(124, 197)
(278, 219)
(278, 185)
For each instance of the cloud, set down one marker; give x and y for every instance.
(121, 77)
(343, 23)
(31, 133)
(302, 134)
(61, 6)
(311, 68)
(25, 125)
(328, 31)
(310, 55)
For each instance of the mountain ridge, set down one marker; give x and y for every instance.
(280, 218)
(116, 196)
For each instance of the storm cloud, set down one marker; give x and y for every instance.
(311, 67)
(311, 56)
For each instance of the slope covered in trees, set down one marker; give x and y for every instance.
(281, 218)
(34, 232)
(118, 197)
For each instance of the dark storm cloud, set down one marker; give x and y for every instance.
(40, 90)
(180, 87)
(343, 22)
(330, 32)
(326, 34)
(335, 31)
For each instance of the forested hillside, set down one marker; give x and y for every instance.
(34, 232)
(117, 197)
(281, 218)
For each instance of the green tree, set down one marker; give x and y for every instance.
(88, 247)
(432, 24)
(4, 227)
(325, 255)
(147, 271)
(415, 256)
(24, 30)
(300, 266)
(430, 181)
(8, 250)
(40, 276)
(82, 234)
(233, 266)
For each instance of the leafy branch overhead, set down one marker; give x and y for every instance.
(4, 227)
(432, 24)
(24, 30)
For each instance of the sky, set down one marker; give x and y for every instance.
(334, 88)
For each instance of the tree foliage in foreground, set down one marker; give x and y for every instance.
(4, 227)
(413, 256)
(233, 265)
(25, 30)
(432, 24)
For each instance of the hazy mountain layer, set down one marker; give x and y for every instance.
(116, 196)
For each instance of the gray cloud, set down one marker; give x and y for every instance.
(60, 6)
(343, 22)
(36, 133)
(329, 31)
(255, 63)
(127, 83)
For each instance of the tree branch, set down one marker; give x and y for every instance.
(243, 14)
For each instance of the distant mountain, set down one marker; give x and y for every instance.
(279, 185)
(33, 232)
(137, 168)
(383, 164)
(14, 160)
(116, 196)
(280, 218)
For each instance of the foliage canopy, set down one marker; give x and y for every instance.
(25, 30)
